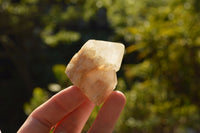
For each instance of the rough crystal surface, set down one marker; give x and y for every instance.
(93, 69)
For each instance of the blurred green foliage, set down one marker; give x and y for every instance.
(39, 97)
(159, 74)
(59, 72)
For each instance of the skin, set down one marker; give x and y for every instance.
(69, 110)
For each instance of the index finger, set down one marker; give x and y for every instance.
(52, 111)
(109, 113)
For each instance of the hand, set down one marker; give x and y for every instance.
(69, 110)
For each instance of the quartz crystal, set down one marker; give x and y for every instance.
(93, 69)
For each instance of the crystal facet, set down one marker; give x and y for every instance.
(93, 69)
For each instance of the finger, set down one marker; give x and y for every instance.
(75, 121)
(55, 109)
(109, 113)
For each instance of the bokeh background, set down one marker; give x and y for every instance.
(160, 73)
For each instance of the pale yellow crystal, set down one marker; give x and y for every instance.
(93, 69)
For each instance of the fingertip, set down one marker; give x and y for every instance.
(109, 113)
(119, 97)
(72, 89)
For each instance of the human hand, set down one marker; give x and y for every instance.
(69, 110)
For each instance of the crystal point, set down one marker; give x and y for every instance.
(93, 69)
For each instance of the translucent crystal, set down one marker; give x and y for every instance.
(93, 69)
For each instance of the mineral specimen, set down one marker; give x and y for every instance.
(93, 69)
